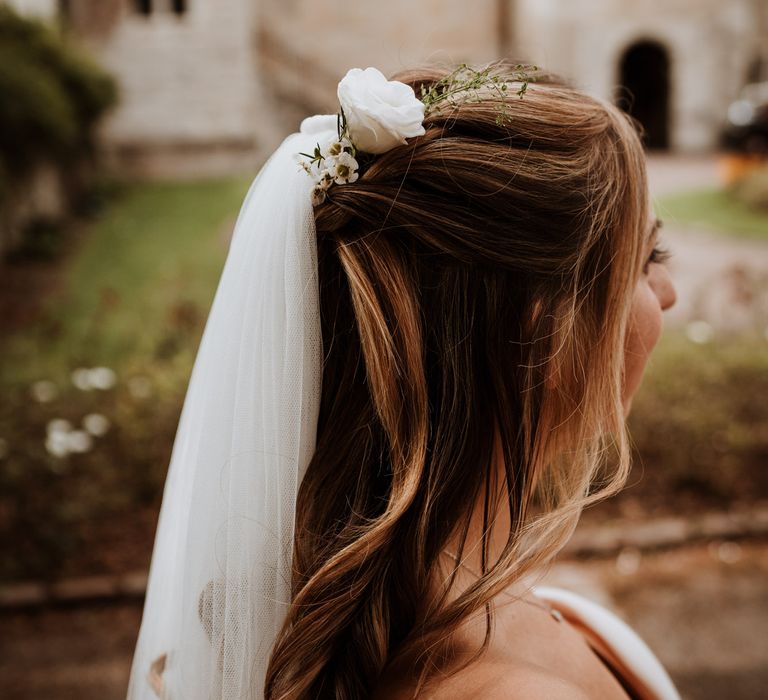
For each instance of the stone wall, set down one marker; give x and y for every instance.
(710, 45)
(203, 90)
(307, 46)
(187, 81)
(38, 8)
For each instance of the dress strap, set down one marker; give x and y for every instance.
(620, 647)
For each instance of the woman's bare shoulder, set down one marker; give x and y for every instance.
(490, 681)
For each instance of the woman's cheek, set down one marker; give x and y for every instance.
(644, 332)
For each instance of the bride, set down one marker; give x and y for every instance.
(435, 311)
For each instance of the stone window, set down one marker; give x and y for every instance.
(148, 7)
(143, 7)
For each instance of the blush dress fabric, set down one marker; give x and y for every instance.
(627, 656)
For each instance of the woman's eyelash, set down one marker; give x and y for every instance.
(659, 255)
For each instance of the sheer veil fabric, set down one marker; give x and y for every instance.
(219, 588)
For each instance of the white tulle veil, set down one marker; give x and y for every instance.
(218, 587)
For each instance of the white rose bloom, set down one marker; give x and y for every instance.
(380, 113)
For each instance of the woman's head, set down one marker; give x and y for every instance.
(476, 293)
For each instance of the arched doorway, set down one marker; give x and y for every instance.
(644, 71)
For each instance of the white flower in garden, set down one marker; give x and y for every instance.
(81, 378)
(96, 424)
(699, 332)
(58, 425)
(43, 391)
(57, 443)
(343, 169)
(140, 387)
(79, 441)
(380, 113)
(102, 377)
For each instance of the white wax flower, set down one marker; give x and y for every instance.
(318, 195)
(344, 169)
(380, 113)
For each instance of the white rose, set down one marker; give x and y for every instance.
(380, 113)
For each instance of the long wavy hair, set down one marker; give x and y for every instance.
(475, 289)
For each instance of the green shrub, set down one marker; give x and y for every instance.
(52, 94)
(37, 119)
(700, 422)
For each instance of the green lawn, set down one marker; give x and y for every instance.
(141, 280)
(137, 286)
(135, 289)
(714, 209)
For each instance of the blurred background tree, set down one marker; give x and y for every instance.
(53, 96)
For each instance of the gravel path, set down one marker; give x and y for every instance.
(702, 608)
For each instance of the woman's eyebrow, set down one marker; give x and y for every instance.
(657, 224)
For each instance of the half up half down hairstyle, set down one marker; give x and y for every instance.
(475, 288)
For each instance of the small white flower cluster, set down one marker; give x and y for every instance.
(376, 115)
(335, 163)
(43, 391)
(62, 438)
(139, 386)
(86, 379)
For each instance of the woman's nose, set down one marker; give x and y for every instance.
(665, 288)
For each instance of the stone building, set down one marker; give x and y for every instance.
(680, 62)
(187, 76)
(676, 64)
(208, 83)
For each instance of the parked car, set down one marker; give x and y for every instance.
(746, 130)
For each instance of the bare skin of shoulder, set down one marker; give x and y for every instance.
(531, 656)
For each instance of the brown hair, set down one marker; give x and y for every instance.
(478, 276)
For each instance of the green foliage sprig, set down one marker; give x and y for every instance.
(464, 83)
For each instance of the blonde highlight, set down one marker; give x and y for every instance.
(475, 289)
